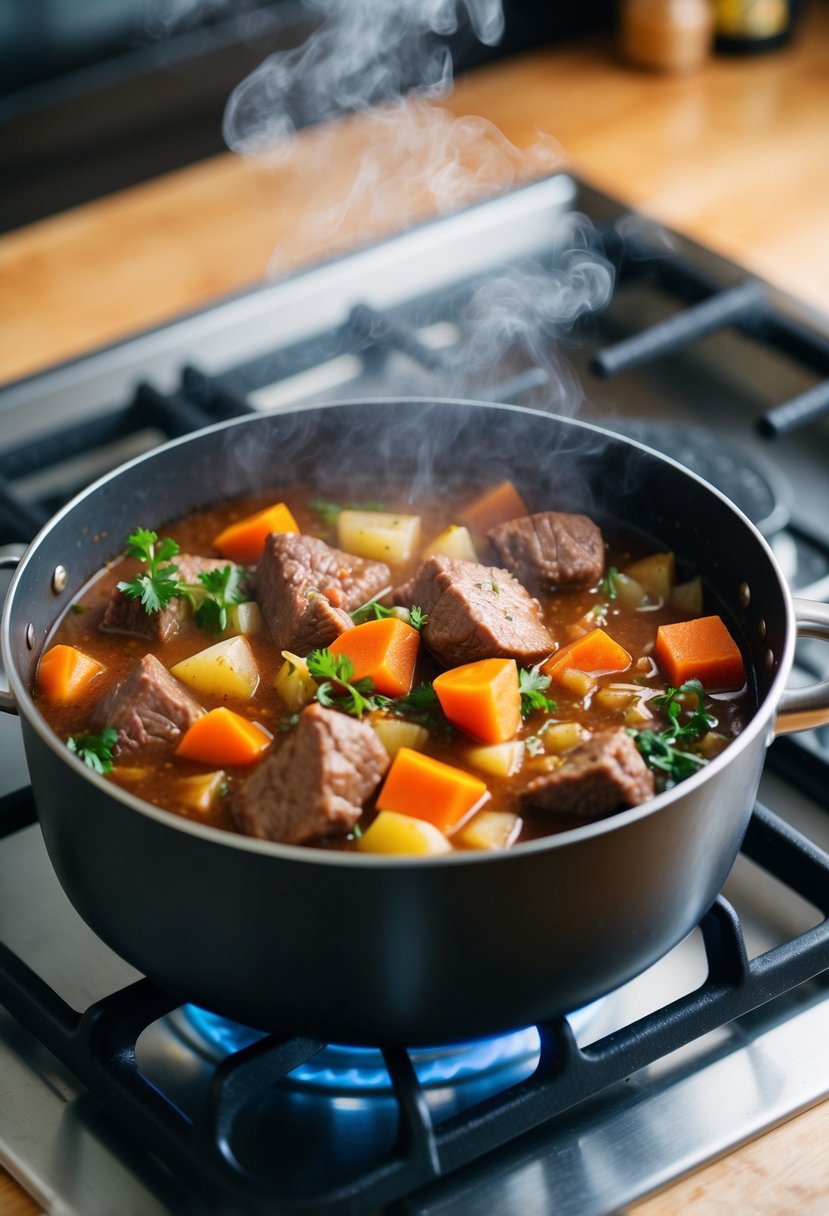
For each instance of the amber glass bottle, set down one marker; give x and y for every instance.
(748, 26)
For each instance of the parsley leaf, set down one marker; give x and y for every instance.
(158, 584)
(330, 511)
(211, 595)
(95, 750)
(215, 592)
(421, 705)
(667, 751)
(417, 617)
(337, 688)
(609, 585)
(531, 685)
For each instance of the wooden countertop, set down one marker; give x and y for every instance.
(734, 156)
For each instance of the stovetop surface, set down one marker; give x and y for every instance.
(311, 339)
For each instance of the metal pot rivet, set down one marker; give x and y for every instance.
(745, 594)
(59, 577)
(30, 635)
(768, 660)
(761, 628)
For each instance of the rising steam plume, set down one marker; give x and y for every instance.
(369, 90)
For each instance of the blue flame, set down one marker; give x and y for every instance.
(360, 1070)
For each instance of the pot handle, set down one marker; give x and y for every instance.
(806, 707)
(8, 561)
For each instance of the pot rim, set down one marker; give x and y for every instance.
(762, 720)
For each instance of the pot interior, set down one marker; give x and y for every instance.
(431, 446)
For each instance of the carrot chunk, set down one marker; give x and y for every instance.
(595, 652)
(482, 698)
(428, 789)
(494, 506)
(223, 737)
(243, 541)
(64, 673)
(384, 650)
(701, 648)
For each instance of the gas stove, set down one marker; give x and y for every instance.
(116, 1099)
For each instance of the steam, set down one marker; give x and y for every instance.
(371, 90)
(363, 53)
(367, 88)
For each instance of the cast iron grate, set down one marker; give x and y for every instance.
(98, 1045)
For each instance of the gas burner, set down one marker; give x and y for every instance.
(362, 1071)
(751, 482)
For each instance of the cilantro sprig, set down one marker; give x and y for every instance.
(213, 593)
(531, 685)
(667, 752)
(95, 750)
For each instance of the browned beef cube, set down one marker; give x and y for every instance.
(316, 783)
(601, 775)
(551, 549)
(306, 590)
(476, 612)
(124, 615)
(149, 706)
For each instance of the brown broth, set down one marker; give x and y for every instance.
(153, 772)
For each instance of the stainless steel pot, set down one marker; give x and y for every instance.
(361, 949)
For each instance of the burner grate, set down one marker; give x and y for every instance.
(99, 1047)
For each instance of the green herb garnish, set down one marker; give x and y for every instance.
(330, 511)
(667, 751)
(211, 595)
(158, 584)
(609, 585)
(337, 688)
(95, 750)
(215, 592)
(421, 705)
(531, 685)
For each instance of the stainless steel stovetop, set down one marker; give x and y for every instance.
(317, 337)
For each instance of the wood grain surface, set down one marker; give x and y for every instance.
(734, 156)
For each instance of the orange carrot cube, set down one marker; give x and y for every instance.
(703, 649)
(494, 506)
(64, 673)
(425, 788)
(595, 652)
(482, 698)
(243, 541)
(385, 651)
(223, 737)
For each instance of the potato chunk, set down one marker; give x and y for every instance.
(395, 733)
(500, 759)
(490, 830)
(226, 669)
(378, 535)
(454, 541)
(392, 832)
(294, 683)
(656, 574)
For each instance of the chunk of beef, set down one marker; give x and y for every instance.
(316, 783)
(601, 775)
(551, 549)
(124, 615)
(476, 612)
(149, 706)
(306, 589)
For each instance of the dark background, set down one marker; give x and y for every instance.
(96, 95)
